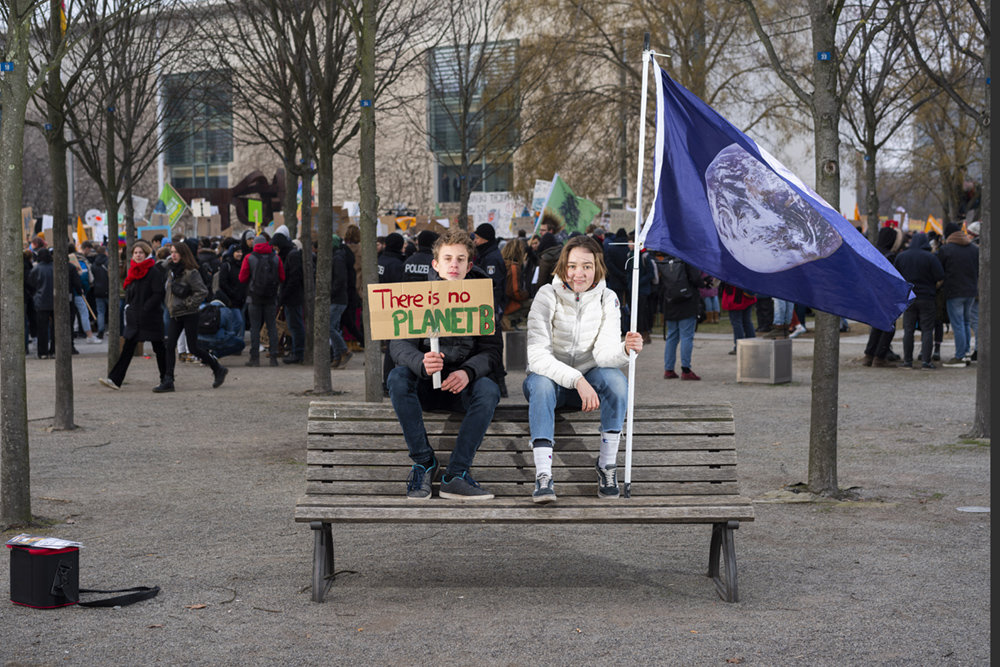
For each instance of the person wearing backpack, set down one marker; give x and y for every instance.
(263, 273)
(679, 296)
(99, 269)
(220, 329)
(79, 295)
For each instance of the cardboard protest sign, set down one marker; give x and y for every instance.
(421, 309)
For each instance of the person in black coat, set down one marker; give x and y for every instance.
(390, 261)
(877, 350)
(922, 269)
(471, 368)
(231, 291)
(680, 316)
(959, 258)
(490, 260)
(417, 266)
(42, 282)
(615, 259)
(144, 292)
(291, 293)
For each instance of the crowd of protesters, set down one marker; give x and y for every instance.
(195, 299)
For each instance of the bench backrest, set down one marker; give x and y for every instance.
(358, 449)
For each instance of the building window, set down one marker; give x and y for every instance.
(198, 128)
(472, 93)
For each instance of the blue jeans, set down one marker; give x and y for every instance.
(297, 327)
(975, 322)
(682, 331)
(544, 396)
(742, 323)
(101, 304)
(81, 308)
(783, 312)
(711, 303)
(411, 395)
(336, 338)
(960, 316)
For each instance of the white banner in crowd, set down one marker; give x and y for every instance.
(494, 208)
(540, 194)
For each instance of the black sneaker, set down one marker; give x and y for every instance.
(544, 491)
(418, 483)
(955, 362)
(462, 487)
(905, 364)
(607, 481)
(927, 366)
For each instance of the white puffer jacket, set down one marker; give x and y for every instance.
(570, 333)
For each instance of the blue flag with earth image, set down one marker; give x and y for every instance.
(728, 207)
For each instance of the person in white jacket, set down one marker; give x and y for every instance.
(574, 351)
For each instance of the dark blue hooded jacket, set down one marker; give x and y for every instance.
(920, 267)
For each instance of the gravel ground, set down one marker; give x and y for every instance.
(194, 492)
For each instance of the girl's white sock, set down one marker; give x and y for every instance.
(609, 449)
(543, 457)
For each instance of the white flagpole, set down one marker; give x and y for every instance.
(637, 249)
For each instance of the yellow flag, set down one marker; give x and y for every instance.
(933, 224)
(81, 233)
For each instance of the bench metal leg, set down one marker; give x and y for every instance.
(322, 558)
(723, 544)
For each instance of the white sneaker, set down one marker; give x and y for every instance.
(797, 331)
(93, 340)
(109, 383)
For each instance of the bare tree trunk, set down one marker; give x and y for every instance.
(62, 296)
(15, 466)
(308, 266)
(114, 265)
(981, 419)
(324, 252)
(369, 196)
(871, 201)
(826, 345)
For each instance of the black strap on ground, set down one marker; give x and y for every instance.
(134, 595)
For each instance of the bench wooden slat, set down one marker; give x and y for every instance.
(667, 428)
(319, 410)
(522, 510)
(526, 474)
(640, 443)
(489, 459)
(398, 487)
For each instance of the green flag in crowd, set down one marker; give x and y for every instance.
(574, 213)
(173, 203)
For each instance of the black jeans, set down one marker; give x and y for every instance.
(879, 342)
(117, 374)
(922, 310)
(188, 325)
(263, 313)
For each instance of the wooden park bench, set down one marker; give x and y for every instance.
(683, 471)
